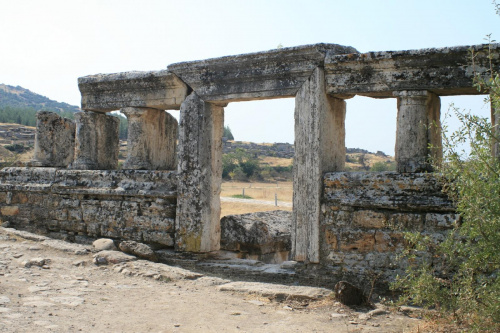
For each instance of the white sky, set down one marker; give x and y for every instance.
(46, 45)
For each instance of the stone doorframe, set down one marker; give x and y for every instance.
(320, 77)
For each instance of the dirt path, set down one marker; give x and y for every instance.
(71, 294)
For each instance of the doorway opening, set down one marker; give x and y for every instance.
(370, 134)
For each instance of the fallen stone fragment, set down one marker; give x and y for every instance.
(104, 244)
(257, 233)
(138, 249)
(276, 291)
(39, 262)
(112, 257)
(156, 270)
(349, 294)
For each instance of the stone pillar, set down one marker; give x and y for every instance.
(97, 142)
(54, 140)
(495, 122)
(200, 173)
(152, 138)
(319, 148)
(418, 126)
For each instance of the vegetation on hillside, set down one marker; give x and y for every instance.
(19, 106)
(20, 98)
(461, 276)
(242, 166)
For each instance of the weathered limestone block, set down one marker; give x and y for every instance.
(369, 219)
(97, 141)
(200, 172)
(418, 127)
(108, 92)
(260, 75)
(139, 250)
(257, 233)
(319, 147)
(444, 71)
(54, 140)
(386, 190)
(152, 138)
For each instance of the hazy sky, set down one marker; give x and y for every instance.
(46, 45)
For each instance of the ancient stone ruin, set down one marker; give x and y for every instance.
(167, 194)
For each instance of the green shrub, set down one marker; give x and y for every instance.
(461, 275)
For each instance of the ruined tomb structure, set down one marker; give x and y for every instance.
(168, 193)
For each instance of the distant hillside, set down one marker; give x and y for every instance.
(18, 97)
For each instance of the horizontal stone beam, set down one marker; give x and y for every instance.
(262, 75)
(443, 71)
(109, 92)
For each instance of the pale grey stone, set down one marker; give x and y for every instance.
(274, 73)
(276, 290)
(4, 300)
(257, 233)
(418, 129)
(104, 244)
(111, 257)
(319, 147)
(138, 249)
(155, 89)
(445, 71)
(200, 168)
(97, 142)
(152, 138)
(54, 140)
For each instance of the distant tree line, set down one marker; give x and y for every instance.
(27, 116)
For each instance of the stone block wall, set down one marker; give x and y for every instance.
(364, 216)
(81, 205)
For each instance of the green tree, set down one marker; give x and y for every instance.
(462, 274)
(227, 133)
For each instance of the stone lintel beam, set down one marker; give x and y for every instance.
(108, 92)
(200, 174)
(97, 141)
(443, 71)
(319, 148)
(54, 140)
(262, 75)
(418, 129)
(152, 138)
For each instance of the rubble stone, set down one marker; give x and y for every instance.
(138, 249)
(257, 233)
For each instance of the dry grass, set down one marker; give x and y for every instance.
(231, 208)
(276, 161)
(259, 191)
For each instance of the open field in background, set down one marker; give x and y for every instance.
(259, 191)
(232, 208)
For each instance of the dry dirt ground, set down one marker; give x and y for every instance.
(69, 293)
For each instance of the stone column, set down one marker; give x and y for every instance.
(197, 222)
(418, 126)
(152, 138)
(97, 142)
(54, 140)
(495, 121)
(319, 148)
